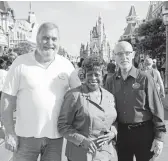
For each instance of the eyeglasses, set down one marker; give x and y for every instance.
(120, 54)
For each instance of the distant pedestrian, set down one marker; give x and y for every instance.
(156, 76)
(35, 85)
(111, 68)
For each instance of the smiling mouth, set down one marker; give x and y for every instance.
(93, 82)
(125, 62)
(45, 48)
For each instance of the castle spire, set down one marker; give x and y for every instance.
(132, 16)
(132, 12)
(31, 17)
(30, 7)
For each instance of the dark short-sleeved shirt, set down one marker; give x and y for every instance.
(137, 99)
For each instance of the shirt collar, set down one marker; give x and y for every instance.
(132, 73)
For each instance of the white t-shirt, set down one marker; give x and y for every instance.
(3, 74)
(40, 93)
(75, 81)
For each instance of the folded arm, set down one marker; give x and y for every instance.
(66, 118)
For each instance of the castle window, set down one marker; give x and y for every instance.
(18, 35)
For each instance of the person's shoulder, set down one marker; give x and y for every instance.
(22, 58)
(156, 71)
(62, 59)
(145, 75)
(74, 92)
(107, 93)
(3, 72)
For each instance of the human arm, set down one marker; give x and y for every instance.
(157, 110)
(74, 80)
(69, 110)
(160, 82)
(8, 105)
(111, 134)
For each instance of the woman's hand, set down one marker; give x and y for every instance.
(89, 145)
(103, 139)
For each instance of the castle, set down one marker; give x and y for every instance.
(133, 23)
(98, 44)
(12, 30)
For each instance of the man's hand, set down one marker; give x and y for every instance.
(157, 147)
(11, 142)
(89, 145)
(162, 95)
(103, 139)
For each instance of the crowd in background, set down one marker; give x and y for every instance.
(71, 103)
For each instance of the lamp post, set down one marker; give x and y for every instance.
(165, 21)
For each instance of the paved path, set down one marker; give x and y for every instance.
(5, 155)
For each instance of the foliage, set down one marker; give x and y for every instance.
(24, 47)
(152, 38)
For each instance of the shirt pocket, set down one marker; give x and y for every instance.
(139, 98)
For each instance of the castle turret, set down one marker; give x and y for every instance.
(133, 22)
(31, 16)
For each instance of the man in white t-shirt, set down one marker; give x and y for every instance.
(35, 86)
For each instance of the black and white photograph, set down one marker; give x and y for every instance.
(83, 80)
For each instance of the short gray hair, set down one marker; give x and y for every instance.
(48, 26)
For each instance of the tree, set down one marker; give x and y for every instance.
(24, 47)
(151, 38)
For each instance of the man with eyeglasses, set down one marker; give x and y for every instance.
(140, 112)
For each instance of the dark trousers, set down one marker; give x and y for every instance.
(135, 141)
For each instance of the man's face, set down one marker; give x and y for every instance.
(93, 79)
(124, 57)
(48, 43)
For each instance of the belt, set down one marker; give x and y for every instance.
(135, 125)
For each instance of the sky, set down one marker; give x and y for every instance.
(75, 19)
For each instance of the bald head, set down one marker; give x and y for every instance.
(123, 46)
(124, 55)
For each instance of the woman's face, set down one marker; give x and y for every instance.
(93, 79)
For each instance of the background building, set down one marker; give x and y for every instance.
(154, 10)
(13, 30)
(25, 29)
(133, 23)
(98, 44)
(7, 20)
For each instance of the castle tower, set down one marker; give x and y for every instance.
(88, 49)
(99, 29)
(31, 16)
(98, 42)
(154, 10)
(132, 21)
(150, 11)
(132, 16)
